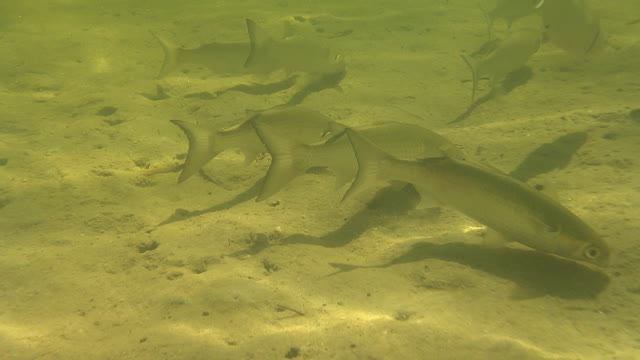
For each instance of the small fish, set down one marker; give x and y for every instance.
(205, 142)
(507, 206)
(220, 58)
(509, 55)
(291, 157)
(294, 53)
(572, 26)
(512, 10)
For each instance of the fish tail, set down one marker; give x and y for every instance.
(489, 18)
(284, 155)
(343, 166)
(474, 74)
(369, 158)
(258, 39)
(170, 56)
(201, 147)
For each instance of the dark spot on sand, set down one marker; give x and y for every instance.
(4, 202)
(292, 353)
(113, 122)
(174, 275)
(403, 315)
(107, 111)
(200, 95)
(147, 246)
(270, 266)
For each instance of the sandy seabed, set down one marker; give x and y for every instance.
(88, 272)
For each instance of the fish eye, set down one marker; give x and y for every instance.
(591, 252)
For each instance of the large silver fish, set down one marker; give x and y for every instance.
(206, 142)
(291, 157)
(505, 205)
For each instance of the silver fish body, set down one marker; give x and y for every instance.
(496, 200)
(206, 142)
(290, 157)
(294, 53)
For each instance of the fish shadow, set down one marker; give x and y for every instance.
(184, 214)
(513, 80)
(535, 274)
(387, 204)
(550, 156)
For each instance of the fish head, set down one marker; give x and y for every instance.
(584, 245)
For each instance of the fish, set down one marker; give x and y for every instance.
(292, 54)
(509, 55)
(512, 209)
(220, 58)
(512, 10)
(291, 157)
(572, 26)
(206, 142)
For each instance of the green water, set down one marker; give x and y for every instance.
(105, 256)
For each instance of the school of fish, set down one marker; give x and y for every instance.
(300, 139)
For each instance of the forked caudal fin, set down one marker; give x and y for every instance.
(283, 166)
(200, 148)
(259, 40)
(170, 56)
(370, 159)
